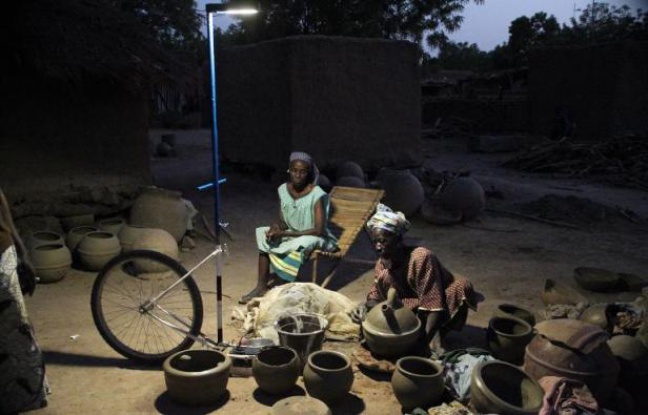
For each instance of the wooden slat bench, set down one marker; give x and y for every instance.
(351, 208)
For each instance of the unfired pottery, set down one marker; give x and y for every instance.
(417, 382)
(276, 369)
(328, 376)
(465, 195)
(112, 225)
(507, 309)
(96, 249)
(197, 377)
(44, 237)
(75, 235)
(507, 338)
(52, 262)
(157, 240)
(128, 234)
(390, 328)
(349, 168)
(403, 191)
(160, 208)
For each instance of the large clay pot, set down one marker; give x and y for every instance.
(403, 191)
(328, 376)
(501, 388)
(391, 329)
(507, 337)
(51, 262)
(128, 234)
(351, 181)
(465, 195)
(157, 240)
(300, 405)
(112, 225)
(160, 208)
(633, 360)
(37, 238)
(85, 219)
(197, 377)
(559, 293)
(573, 349)
(417, 382)
(75, 235)
(349, 168)
(597, 315)
(96, 249)
(276, 369)
(507, 309)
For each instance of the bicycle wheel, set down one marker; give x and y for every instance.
(127, 320)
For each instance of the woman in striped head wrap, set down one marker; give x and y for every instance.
(302, 227)
(422, 283)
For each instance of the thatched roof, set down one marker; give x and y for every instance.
(80, 40)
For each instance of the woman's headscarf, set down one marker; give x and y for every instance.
(387, 219)
(306, 158)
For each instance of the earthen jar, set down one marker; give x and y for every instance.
(573, 349)
(390, 328)
(596, 314)
(157, 240)
(51, 262)
(75, 235)
(328, 376)
(325, 183)
(197, 377)
(417, 382)
(85, 219)
(160, 208)
(112, 225)
(96, 249)
(128, 235)
(501, 388)
(351, 181)
(507, 309)
(507, 338)
(44, 237)
(276, 369)
(465, 195)
(349, 168)
(403, 191)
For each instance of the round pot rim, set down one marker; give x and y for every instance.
(487, 391)
(528, 328)
(347, 361)
(226, 363)
(368, 327)
(422, 360)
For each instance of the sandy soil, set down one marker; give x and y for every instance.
(506, 257)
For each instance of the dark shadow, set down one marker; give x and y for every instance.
(349, 405)
(469, 336)
(375, 375)
(75, 359)
(268, 400)
(165, 405)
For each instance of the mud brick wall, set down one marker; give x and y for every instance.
(605, 88)
(67, 149)
(336, 98)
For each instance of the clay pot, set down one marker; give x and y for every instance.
(42, 238)
(573, 349)
(351, 181)
(157, 240)
(160, 208)
(299, 405)
(128, 235)
(465, 195)
(349, 169)
(75, 235)
(501, 388)
(96, 249)
(276, 369)
(325, 183)
(197, 377)
(506, 310)
(507, 337)
(596, 315)
(403, 191)
(74, 221)
(633, 362)
(112, 225)
(596, 279)
(559, 293)
(52, 262)
(390, 328)
(328, 376)
(417, 382)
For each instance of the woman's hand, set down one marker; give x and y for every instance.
(275, 231)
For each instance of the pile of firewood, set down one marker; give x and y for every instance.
(620, 161)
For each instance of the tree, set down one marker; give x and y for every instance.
(526, 33)
(600, 22)
(463, 56)
(414, 20)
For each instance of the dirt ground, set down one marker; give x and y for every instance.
(506, 257)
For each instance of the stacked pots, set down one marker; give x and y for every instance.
(112, 225)
(38, 238)
(75, 235)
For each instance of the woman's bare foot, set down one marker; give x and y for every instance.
(256, 292)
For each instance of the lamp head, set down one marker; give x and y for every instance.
(235, 7)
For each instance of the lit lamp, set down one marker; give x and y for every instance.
(214, 10)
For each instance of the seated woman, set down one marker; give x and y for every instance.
(301, 228)
(440, 299)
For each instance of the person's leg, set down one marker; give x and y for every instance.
(263, 277)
